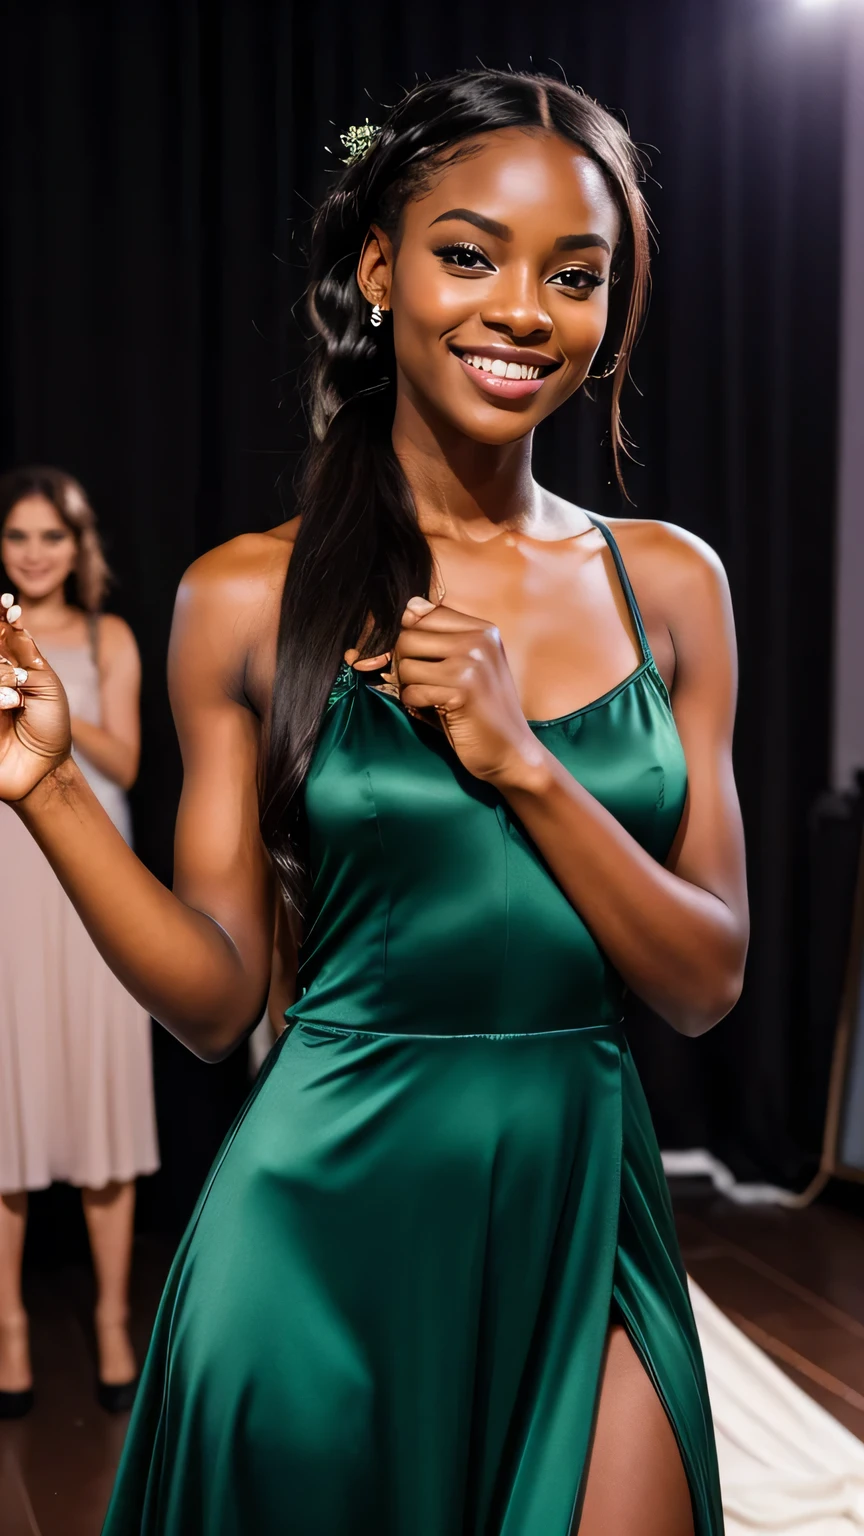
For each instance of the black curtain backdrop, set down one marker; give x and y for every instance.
(159, 163)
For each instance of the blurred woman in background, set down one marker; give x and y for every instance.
(76, 1091)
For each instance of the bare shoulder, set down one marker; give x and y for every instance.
(674, 573)
(241, 576)
(226, 618)
(236, 588)
(116, 640)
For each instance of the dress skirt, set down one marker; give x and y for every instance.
(388, 1314)
(76, 1079)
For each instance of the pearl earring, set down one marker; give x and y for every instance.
(376, 316)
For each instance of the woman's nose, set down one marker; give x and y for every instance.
(516, 305)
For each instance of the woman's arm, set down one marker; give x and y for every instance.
(114, 746)
(197, 959)
(677, 934)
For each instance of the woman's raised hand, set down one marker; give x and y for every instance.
(34, 715)
(455, 665)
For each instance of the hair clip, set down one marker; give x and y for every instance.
(358, 140)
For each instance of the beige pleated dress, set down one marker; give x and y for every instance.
(76, 1077)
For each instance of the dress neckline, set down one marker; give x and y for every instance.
(647, 665)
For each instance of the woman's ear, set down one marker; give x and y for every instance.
(375, 267)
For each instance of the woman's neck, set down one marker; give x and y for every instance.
(463, 489)
(48, 615)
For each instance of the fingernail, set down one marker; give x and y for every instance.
(420, 605)
(6, 599)
(13, 613)
(10, 698)
(20, 675)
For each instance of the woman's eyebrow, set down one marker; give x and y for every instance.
(581, 242)
(504, 232)
(468, 216)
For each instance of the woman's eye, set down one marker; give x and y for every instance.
(468, 258)
(578, 278)
(56, 536)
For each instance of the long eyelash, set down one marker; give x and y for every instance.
(594, 278)
(461, 245)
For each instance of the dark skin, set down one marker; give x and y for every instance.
(532, 625)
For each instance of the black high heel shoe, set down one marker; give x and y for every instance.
(14, 1405)
(116, 1398)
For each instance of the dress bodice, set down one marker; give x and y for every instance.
(431, 910)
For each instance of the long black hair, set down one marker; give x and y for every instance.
(359, 552)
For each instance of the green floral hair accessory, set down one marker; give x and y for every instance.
(357, 140)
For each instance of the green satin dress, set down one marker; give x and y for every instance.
(388, 1314)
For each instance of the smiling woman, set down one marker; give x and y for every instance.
(432, 1284)
(76, 1093)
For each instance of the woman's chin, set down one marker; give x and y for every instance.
(29, 592)
(495, 425)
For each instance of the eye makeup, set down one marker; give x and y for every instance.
(461, 253)
(467, 257)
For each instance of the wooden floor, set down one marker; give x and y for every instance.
(794, 1281)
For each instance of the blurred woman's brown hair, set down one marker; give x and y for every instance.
(91, 576)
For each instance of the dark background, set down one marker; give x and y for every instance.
(158, 167)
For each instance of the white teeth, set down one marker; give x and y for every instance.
(500, 369)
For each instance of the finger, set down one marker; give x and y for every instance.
(20, 647)
(417, 608)
(370, 663)
(434, 644)
(431, 696)
(10, 698)
(439, 618)
(19, 674)
(449, 672)
(11, 675)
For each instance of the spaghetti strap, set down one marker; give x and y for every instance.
(629, 594)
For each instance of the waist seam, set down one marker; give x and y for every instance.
(313, 1026)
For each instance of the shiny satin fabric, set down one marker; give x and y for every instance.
(387, 1317)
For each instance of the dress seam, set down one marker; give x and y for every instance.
(612, 1027)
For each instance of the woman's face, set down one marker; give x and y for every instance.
(38, 551)
(499, 284)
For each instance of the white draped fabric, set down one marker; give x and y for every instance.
(786, 1466)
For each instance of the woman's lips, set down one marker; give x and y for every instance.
(500, 387)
